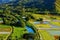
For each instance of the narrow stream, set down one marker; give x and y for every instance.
(29, 29)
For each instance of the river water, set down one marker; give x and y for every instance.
(29, 29)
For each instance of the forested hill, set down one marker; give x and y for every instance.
(12, 12)
(6, 1)
(42, 5)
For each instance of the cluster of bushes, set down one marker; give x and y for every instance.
(12, 15)
(29, 36)
(53, 17)
(16, 38)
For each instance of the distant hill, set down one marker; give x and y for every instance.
(43, 4)
(6, 1)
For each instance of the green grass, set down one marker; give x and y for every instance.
(3, 36)
(18, 31)
(0, 19)
(46, 35)
(4, 26)
(55, 23)
(1, 10)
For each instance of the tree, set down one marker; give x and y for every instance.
(41, 20)
(29, 36)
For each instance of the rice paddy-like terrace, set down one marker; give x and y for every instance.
(5, 31)
(44, 33)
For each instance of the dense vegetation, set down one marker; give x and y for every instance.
(13, 12)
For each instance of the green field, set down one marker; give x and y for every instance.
(3, 36)
(17, 33)
(4, 26)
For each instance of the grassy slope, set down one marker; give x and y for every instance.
(55, 23)
(4, 35)
(57, 5)
(45, 35)
(18, 31)
(4, 26)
